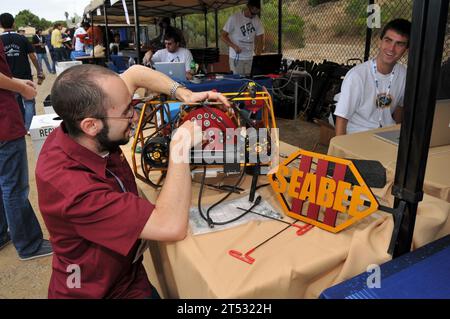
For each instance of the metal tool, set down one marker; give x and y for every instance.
(245, 257)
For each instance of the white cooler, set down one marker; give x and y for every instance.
(41, 127)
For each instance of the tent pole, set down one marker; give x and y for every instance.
(136, 30)
(368, 37)
(206, 28)
(280, 25)
(106, 33)
(424, 62)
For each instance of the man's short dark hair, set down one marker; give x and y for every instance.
(77, 94)
(401, 26)
(173, 35)
(86, 25)
(6, 20)
(254, 3)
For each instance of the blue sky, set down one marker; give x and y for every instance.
(49, 9)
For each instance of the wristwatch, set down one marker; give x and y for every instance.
(173, 89)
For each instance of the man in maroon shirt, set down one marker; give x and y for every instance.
(16, 213)
(87, 192)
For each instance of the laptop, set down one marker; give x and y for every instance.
(266, 64)
(174, 70)
(440, 134)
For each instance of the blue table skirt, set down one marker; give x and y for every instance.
(226, 85)
(423, 273)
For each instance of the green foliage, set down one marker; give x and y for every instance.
(194, 26)
(26, 18)
(356, 11)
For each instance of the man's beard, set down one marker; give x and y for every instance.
(105, 143)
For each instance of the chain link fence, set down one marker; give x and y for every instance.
(312, 30)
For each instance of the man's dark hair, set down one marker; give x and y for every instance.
(86, 25)
(77, 94)
(254, 3)
(38, 30)
(171, 34)
(6, 20)
(401, 26)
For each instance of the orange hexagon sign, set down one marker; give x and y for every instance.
(315, 192)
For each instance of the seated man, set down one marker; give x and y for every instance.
(165, 27)
(172, 53)
(87, 192)
(372, 92)
(115, 46)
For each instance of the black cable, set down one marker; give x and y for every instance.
(207, 218)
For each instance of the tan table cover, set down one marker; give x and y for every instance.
(288, 266)
(366, 146)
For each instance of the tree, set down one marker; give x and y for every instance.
(27, 19)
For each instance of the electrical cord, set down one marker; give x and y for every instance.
(208, 218)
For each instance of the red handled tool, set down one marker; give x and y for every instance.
(250, 260)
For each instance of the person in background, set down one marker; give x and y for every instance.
(78, 40)
(18, 222)
(39, 43)
(51, 49)
(172, 53)
(21, 32)
(94, 36)
(165, 28)
(372, 92)
(57, 43)
(87, 192)
(114, 47)
(244, 34)
(18, 52)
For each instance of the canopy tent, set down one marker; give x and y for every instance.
(148, 10)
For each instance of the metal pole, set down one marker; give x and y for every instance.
(182, 23)
(206, 29)
(216, 24)
(107, 33)
(368, 37)
(280, 26)
(136, 30)
(93, 34)
(424, 62)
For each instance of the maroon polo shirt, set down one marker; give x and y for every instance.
(11, 120)
(93, 224)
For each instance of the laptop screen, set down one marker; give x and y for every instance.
(440, 134)
(266, 64)
(174, 70)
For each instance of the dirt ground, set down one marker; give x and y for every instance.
(27, 279)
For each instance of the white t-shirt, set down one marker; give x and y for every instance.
(182, 55)
(242, 32)
(79, 46)
(357, 100)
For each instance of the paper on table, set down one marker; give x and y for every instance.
(228, 210)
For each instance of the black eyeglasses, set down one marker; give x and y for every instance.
(132, 107)
(129, 116)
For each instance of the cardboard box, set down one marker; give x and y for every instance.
(41, 127)
(64, 65)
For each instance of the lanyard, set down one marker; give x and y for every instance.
(382, 100)
(122, 187)
(377, 83)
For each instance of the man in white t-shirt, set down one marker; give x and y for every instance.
(372, 93)
(172, 53)
(244, 34)
(79, 35)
